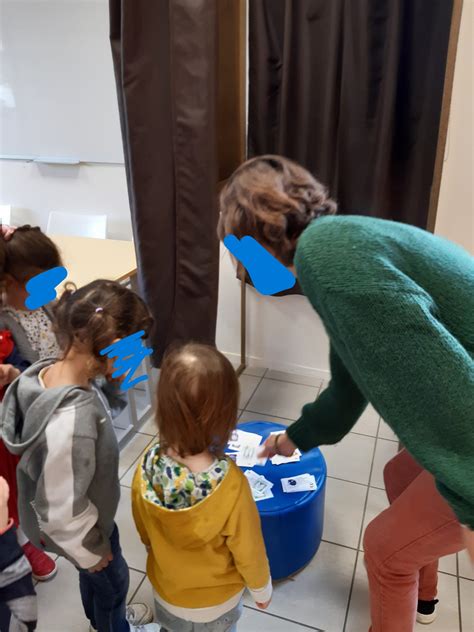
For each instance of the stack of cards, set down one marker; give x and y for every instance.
(301, 483)
(260, 486)
(280, 460)
(246, 447)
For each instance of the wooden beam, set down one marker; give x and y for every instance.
(445, 109)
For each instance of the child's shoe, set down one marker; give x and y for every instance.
(139, 614)
(42, 565)
(426, 611)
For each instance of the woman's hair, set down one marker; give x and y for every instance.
(27, 251)
(198, 394)
(273, 200)
(98, 313)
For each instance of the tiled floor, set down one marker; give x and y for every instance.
(330, 594)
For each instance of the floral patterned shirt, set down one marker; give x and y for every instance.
(173, 486)
(39, 331)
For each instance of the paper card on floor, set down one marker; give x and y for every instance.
(240, 438)
(248, 456)
(301, 483)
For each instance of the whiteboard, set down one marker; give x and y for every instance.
(57, 87)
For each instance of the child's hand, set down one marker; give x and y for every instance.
(7, 374)
(104, 562)
(264, 606)
(4, 495)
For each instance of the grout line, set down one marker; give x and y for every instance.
(137, 570)
(346, 480)
(260, 380)
(360, 539)
(138, 457)
(276, 616)
(276, 379)
(458, 582)
(138, 587)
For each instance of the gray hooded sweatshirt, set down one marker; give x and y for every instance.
(68, 485)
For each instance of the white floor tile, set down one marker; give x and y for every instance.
(385, 432)
(351, 459)
(248, 416)
(318, 595)
(257, 371)
(448, 564)
(132, 451)
(149, 427)
(466, 568)
(145, 594)
(248, 384)
(281, 398)
(59, 601)
(384, 451)
(359, 610)
(133, 550)
(344, 510)
(358, 619)
(448, 611)
(368, 423)
(467, 605)
(294, 378)
(259, 621)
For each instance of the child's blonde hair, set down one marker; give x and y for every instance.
(198, 395)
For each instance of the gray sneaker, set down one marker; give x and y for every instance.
(139, 614)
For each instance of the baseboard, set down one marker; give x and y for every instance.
(288, 367)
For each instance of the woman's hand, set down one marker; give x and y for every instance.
(7, 231)
(103, 563)
(8, 373)
(469, 541)
(278, 444)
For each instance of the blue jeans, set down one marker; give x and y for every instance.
(104, 594)
(170, 623)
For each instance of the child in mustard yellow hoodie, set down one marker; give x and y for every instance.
(193, 506)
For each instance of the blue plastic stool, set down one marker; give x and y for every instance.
(292, 524)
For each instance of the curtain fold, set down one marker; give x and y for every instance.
(352, 89)
(164, 55)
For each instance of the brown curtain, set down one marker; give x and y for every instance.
(164, 54)
(352, 89)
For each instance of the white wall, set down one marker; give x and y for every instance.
(35, 189)
(455, 218)
(283, 333)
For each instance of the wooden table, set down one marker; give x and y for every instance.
(86, 260)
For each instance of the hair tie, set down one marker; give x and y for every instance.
(99, 309)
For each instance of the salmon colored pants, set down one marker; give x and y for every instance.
(404, 543)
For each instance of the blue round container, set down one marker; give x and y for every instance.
(292, 524)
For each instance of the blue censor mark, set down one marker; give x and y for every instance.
(268, 275)
(129, 352)
(42, 287)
